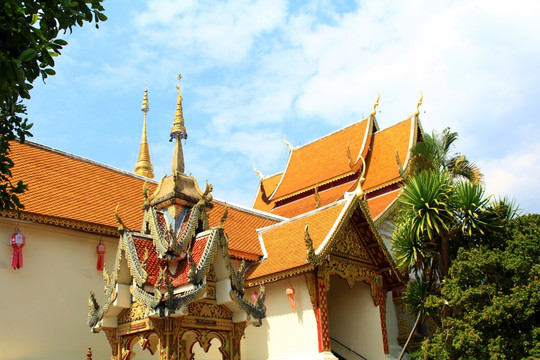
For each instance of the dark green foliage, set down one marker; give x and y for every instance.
(492, 298)
(29, 42)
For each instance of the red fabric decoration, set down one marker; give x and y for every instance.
(254, 297)
(17, 242)
(100, 249)
(290, 293)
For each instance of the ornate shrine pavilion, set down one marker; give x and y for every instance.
(308, 266)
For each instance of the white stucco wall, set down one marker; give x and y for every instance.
(44, 305)
(354, 320)
(284, 334)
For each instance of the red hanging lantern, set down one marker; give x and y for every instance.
(17, 242)
(290, 293)
(100, 249)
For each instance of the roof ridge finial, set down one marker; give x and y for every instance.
(376, 104)
(178, 132)
(291, 148)
(144, 166)
(417, 112)
(261, 176)
(178, 128)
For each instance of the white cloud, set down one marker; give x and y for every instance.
(223, 31)
(515, 175)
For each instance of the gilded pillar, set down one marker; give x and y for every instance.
(381, 303)
(114, 341)
(167, 331)
(236, 338)
(322, 315)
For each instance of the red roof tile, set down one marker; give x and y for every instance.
(154, 265)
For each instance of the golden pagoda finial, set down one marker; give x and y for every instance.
(178, 128)
(144, 166)
(288, 143)
(178, 132)
(376, 104)
(419, 103)
(145, 107)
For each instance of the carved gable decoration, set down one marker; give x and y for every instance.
(349, 245)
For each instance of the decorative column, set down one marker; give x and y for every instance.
(322, 315)
(380, 300)
(167, 331)
(236, 337)
(115, 342)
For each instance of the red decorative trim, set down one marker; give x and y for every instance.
(381, 302)
(324, 331)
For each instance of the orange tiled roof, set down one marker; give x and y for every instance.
(269, 184)
(379, 204)
(65, 186)
(382, 167)
(309, 203)
(285, 244)
(240, 227)
(322, 160)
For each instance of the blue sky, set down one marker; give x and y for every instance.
(254, 71)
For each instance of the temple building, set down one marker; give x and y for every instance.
(174, 273)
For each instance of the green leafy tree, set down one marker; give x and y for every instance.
(492, 298)
(29, 32)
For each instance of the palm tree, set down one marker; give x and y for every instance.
(443, 197)
(434, 153)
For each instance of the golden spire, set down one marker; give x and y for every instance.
(178, 132)
(144, 166)
(178, 125)
(417, 112)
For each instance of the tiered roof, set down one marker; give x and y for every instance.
(321, 172)
(77, 193)
(324, 160)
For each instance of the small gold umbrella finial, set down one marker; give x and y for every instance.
(145, 107)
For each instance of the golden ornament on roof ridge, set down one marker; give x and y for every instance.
(419, 103)
(376, 104)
